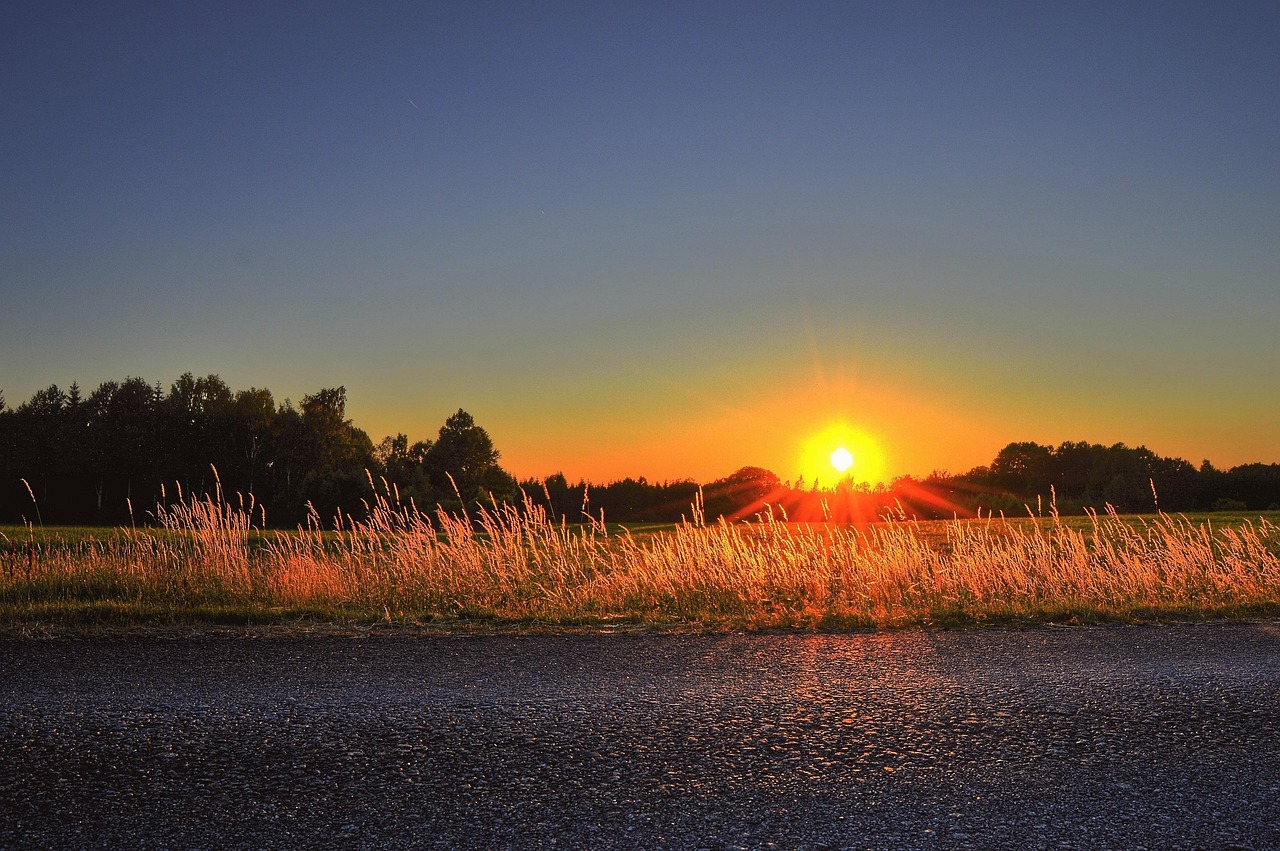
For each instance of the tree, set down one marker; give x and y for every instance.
(335, 441)
(47, 402)
(337, 455)
(199, 428)
(199, 395)
(564, 501)
(462, 462)
(744, 491)
(124, 447)
(36, 450)
(401, 464)
(1256, 485)
(254, 411)
(1024, 468)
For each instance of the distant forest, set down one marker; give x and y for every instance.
(112, 456)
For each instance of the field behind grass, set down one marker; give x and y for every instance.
(203, 564)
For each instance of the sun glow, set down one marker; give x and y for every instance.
(839, 453)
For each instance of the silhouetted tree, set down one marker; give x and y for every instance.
(463, 457)
(337, 455)
(253, 413)
(198, 428)
(559, 495)
(126, 447)
(403, 466)
(1024, 468)
(37, 424)
(1212, 484)
(744, 491)
(1256, 485)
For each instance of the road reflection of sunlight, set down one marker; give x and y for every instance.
(819, 712)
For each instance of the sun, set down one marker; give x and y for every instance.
(841, 459)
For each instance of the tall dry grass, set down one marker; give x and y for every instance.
(515, 563)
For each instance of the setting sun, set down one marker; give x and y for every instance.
(841, 459)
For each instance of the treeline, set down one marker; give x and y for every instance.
(1023, 478)
(1091, 475)
(110, 457)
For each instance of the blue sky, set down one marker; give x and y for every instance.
(662, 239)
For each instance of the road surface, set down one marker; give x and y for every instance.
(1124, 737)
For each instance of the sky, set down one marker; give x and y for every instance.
(662, 239)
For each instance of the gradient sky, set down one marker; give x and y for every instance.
(662, 240)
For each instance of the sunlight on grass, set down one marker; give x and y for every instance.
(205, 562)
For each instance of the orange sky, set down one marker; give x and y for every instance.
(909, 413)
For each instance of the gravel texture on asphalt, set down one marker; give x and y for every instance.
(1121, 737)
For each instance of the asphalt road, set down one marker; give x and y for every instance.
(1152, 737)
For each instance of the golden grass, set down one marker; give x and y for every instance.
(513, 564)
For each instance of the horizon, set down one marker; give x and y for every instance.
(664, 242)
(833, 474)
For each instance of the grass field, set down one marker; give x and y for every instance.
(204, 564)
